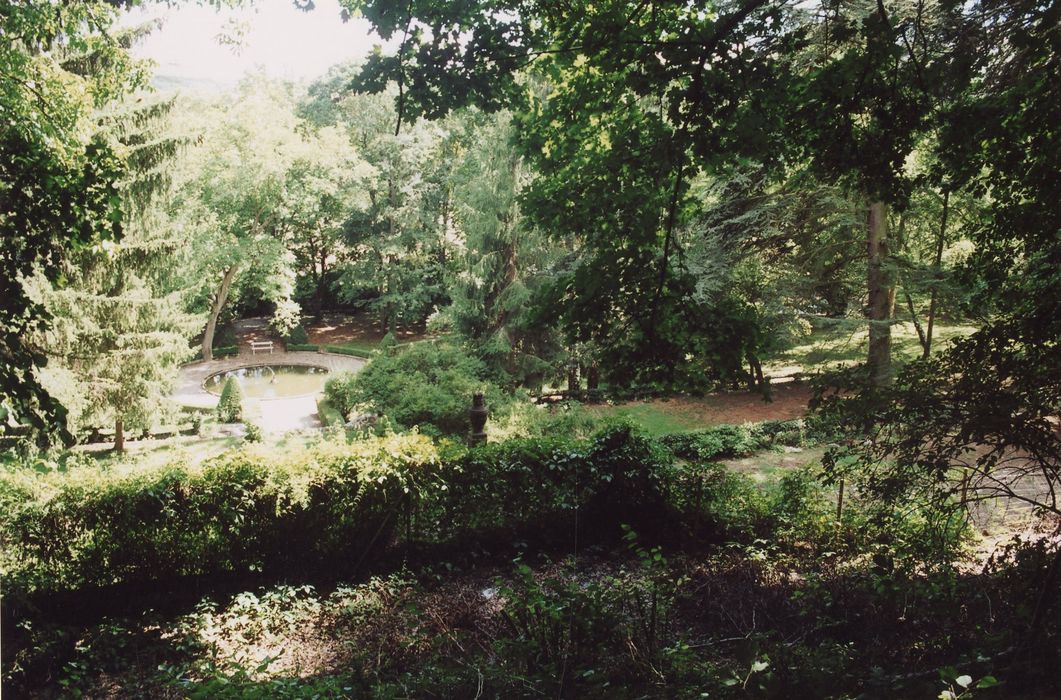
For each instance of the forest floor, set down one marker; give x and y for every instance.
(359, 331)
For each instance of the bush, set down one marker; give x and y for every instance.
(427, 384)
(246, 510)
(327, 414)
(353, 352)
(225, 337)
(319, 506)
(219, 352)
(728, 441)
(302, 347)
(230, 405)
(254, 432)
(296, 336)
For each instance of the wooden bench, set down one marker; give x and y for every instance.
(257, 345)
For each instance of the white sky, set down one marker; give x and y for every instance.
(280, 39)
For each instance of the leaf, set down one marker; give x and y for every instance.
(759, 666)
(964, 681)
(987, 682)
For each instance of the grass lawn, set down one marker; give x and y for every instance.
(845, 342)
(683, 413)
(654, 417)
(192, 450)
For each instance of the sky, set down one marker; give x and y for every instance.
(280, 39)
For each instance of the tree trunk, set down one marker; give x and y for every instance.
(119, 435)
(881, 296)
(755, 376)
(592, 377)
(215, 311)
(935, 275)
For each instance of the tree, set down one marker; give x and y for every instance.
(400, 239)
(505, 260)
(231, 200)
(58, 172)
(322, 190)
(644, 96)
(118, 326)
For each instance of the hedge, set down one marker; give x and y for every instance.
(332, 502)
(355, 352)
(302, 347)
(219, 352)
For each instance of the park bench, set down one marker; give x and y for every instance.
(257, 345)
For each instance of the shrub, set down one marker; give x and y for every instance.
(246, 510)
(426, 384)
(296, 336)
(327, 413)
(254, 432)
(225, 337)
(353, 352)
(230, 405)
(218, 352)
(727, 441)
(330, 503)
(302, 347)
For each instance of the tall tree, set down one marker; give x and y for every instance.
(504, 259)
(231, 200)
(58, 172)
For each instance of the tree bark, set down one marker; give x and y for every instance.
(935, 275)
(215, 310)
(119, 435)
(881, 296)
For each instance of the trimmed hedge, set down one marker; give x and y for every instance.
(246, 510)
(219, 352)
(230, 405)
(302, 347)
(354, 352)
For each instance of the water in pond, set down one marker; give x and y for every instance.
(271, 381)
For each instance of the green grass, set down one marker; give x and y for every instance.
(651, 418)
(845, 341)
(193, 450)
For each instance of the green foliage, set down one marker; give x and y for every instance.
(250, 511)
(425, 384)
(297, 336)
(240, 512)
(225, 338)
(727, 441)
(230, 405)
(222, 352)
(254, 432)
(302, 347)
(586, 636)
(363, 352)
(61, 171)
(327, 414)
